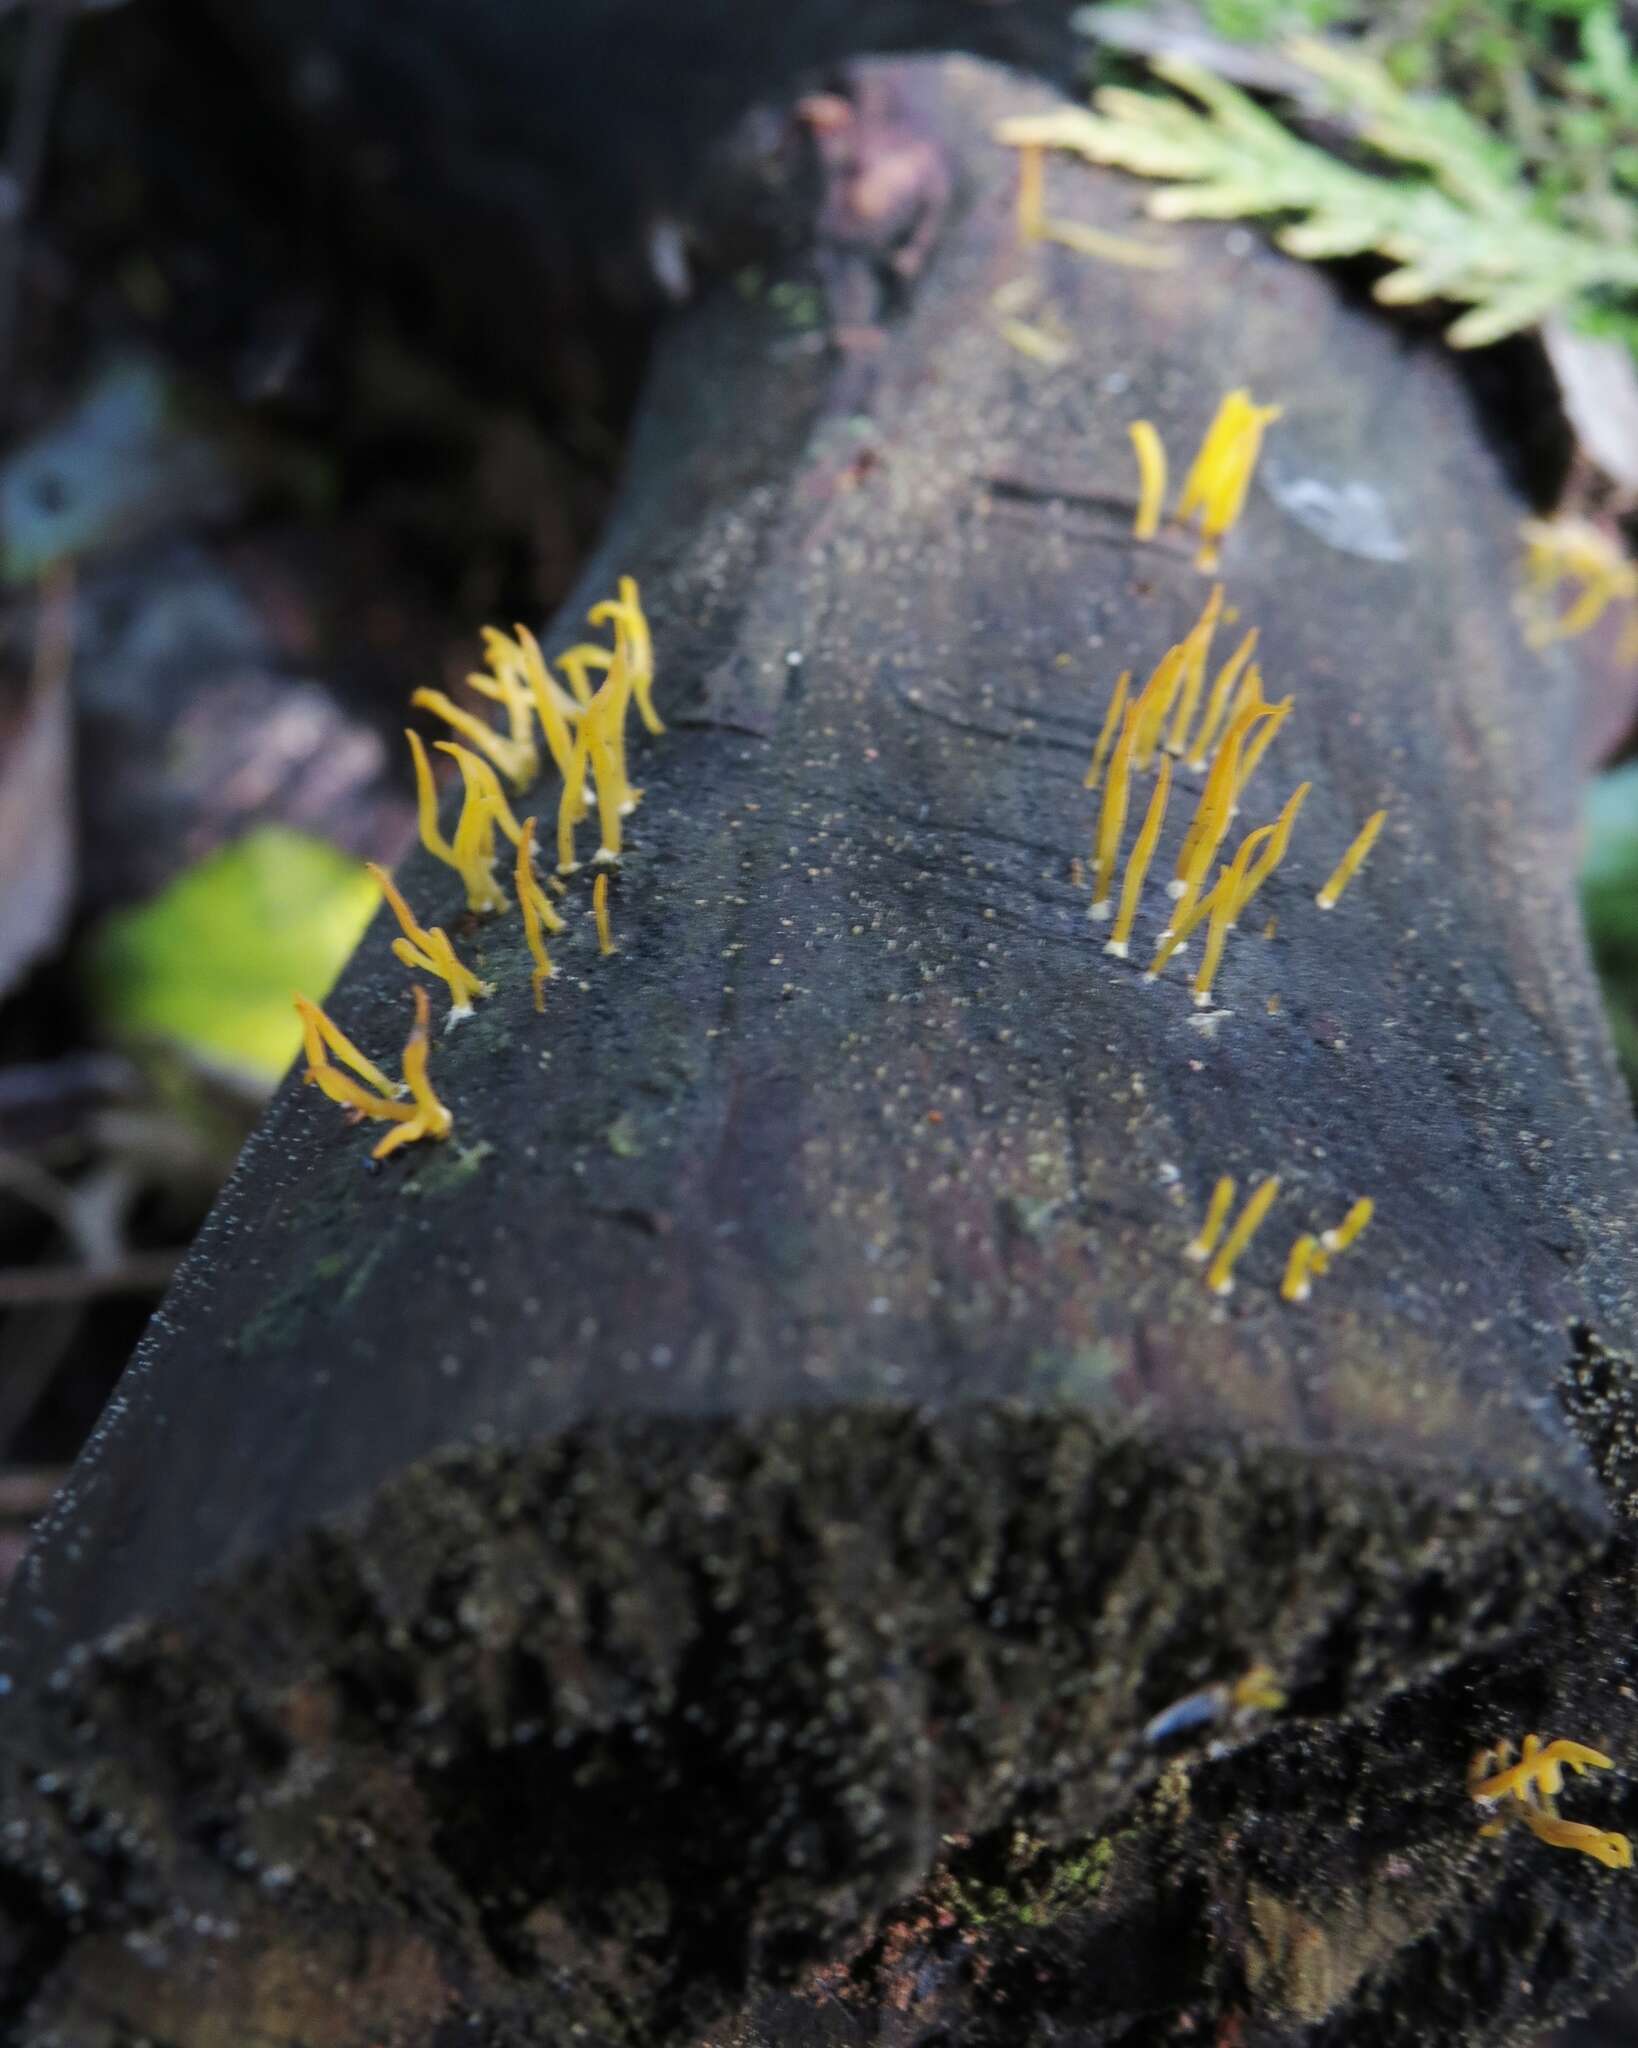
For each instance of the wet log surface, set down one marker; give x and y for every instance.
(693, 1559)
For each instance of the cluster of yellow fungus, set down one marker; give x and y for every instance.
(1224, 732)
(1591, 564)
(1214, 491)
(1309, 1255)
(423, 1116)
(583, 727)
(1527, 1789)
(1224, 1255)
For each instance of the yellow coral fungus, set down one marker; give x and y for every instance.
(1528, 1790)
(430, 951)
(1217, 704)
(1271, 717)
(1225, 910)
(1276, 849)
(556, 710)
(1540, 1768)
(505, 683)
(1112, 815)
(635, 646)
(600, 910)
(1030, 213)
(1220, 476)
(1151, 461)
(538, 912)
(1154, 701)
(1210, 823)
(1220, 1273)
(429, 1118)
(483, 807)
(320, 1037)
(518, 762)
(426, 803)
(574, 662)
(1591, 561)
(1298, 1265)
(1137, 865)
(1259, 1691)
(1339, 1239)
(1222, 1200)
(1196, 653)
(570, 808)
(1111, 725)
(1351, 861)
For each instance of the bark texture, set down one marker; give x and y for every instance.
(693, 1559)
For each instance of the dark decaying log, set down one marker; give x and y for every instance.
(693, 1558)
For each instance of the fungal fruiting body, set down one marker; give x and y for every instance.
(483, 807)
(1305, 1258)
(1112, 815)
(1271, 717)
(505, 683)
(1339, 1239)
(600, 910)
(1217, 703)
(1220, 476)
(1211, 817)
(558, 712)
(423, 1116)
(426, 803)
(539, 915)
(1276, 849)
(1030, 213)
(1590, 560)
(517, 760)
(1222, 1200)
(1196, 653)
(1351, 862)
(634, 647)
(1137, 866)
(1220, 1273)
(430, 951)
(320, 1037)
(1230, 889)
(1258, 1692)
(1154, 703)
(1111, 725)
(1151, 462)
(1528, 1789)
(429, 1118)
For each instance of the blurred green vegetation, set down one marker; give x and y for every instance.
(207, 968)
(1609, 900)
(1550, 85)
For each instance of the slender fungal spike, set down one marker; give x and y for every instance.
(1137, 865)
(1230, 886)
(1151, 461)
(320, 1035)
(429, 1118)
(1226, 423)
(517, 764)
(1222, 1200)
(1352, 1224)
(538, 912)
(426, 803)
(1197, 651)
(1220, 1273)
(429, 951)
(505, 684)
(1275, 852)
(1112, 816)
(569, 809)
(634, 647)
(1111, 725)
(1272, 717)
(600, 910)
(1295, 1287)
(575, 661)
(1217, 704)
(477, 775)
(1154, 704)
(1614, 1851)
(557, 712)
(1351, 862)
(1031, 208)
